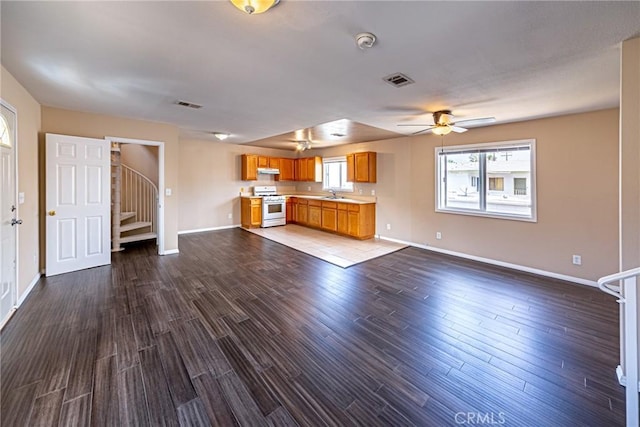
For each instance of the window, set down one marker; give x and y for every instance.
(5, 138)
(495, 179)
(335, 174)
(496, 184)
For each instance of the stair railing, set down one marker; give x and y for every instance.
(140, 195)
(623, 286)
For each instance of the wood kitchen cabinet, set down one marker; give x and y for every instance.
(302, 213)
(249, 167)
(309, 169)
(263, 161)
(287, 170)
(251, 212)
(315, 213)
(361, 220)
(342, 225)
(362, 167)
(274, 162)
(292, 207)
(330, 216)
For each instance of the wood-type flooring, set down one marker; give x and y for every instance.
(240, 330)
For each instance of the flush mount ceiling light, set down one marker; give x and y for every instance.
(254, 6)
(221, 135)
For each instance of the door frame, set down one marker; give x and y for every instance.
(11, 108)
(160, 145)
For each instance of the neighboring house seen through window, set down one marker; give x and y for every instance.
(495, 179)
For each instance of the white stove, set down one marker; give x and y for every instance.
(274, 206)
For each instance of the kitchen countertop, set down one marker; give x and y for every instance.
(323, 198)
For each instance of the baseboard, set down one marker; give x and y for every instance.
(171, 252)
(4, 321)
(200, 230)
(26, 293)
(498, 263)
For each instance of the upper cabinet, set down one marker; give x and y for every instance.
(287, 170)
(249, 167)
(309, 169)
(361, 167)
(263, 161)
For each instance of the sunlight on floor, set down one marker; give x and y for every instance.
(338, 250)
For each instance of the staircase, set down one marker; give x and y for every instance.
(134, 204)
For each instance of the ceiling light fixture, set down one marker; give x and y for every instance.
(254, 6)
(442, 130)
(303, 145)
(365, 40)
(221, 135)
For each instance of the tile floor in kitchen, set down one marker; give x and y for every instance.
(338, 250)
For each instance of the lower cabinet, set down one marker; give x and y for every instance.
(348, 219)
(302, 213)
(330, 216)
(315, 213)
(291, 209)
(251, 212)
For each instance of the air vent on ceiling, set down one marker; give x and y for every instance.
(398, 80)
(188, 104)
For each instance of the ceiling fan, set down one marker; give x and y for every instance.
(443, 123)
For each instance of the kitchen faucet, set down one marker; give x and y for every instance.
(333, 194)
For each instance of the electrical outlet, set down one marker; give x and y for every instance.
(360, 191)
(577, 260)
(373, 192)
(309, 188)
(230, 216)
(388, 226)
(438, 235)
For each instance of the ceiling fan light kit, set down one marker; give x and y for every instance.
(443, 124)
(303, 145)
(252, 7)
(221, 135)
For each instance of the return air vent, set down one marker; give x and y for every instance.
(398, 80)
(188, 105)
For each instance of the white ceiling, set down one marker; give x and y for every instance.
(298, 66)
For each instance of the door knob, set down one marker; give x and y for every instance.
(52, 213)
(16, 221)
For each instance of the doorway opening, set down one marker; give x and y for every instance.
(138, 202)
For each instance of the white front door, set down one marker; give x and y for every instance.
(8, 212)
(78, 203)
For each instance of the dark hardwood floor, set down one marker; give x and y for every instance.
(239, 330)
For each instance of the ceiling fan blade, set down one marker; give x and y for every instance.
(472, 122)
(423, 130)
(458, 129)
(417, 124)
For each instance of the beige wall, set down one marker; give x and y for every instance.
(142, 158)
(210, 182)
(28, 111)
(577, 199)
(55, 120)
(577, 193)
(630, 155)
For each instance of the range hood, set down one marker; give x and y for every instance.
(269, 171)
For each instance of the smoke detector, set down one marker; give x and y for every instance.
(365, 40)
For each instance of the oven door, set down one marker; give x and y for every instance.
(274, 213)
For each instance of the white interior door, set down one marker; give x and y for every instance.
(78, 203)
(8, 213)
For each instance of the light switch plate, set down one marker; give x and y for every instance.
(167, 191)
(20, 198)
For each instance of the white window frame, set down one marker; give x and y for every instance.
(486, 147)
(342, 189)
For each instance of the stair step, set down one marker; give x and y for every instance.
(138, 237)
(126, 215)
(134, 226)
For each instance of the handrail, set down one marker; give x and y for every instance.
(140, 195)
(627, 295)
